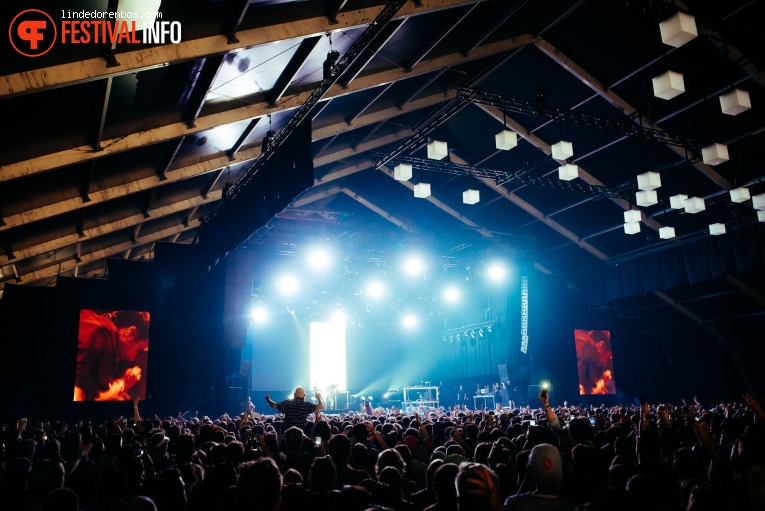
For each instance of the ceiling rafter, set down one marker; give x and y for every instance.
(545, 147)
(202, 83)
(588, 79)
(110, 227)
(214, 163)
(161, 56)
(44, 272)
(430, 46)
(370, 52)
(442, 206)
(380, 211)
(292, 68)
(172, 131)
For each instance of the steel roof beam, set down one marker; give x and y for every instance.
(110, 227)
(162, 56)
(44, 271)
(213, 164)
(572, 67)
(294, 66)
(445, 31)
(202, 84)
(370, 52)
(176, 130)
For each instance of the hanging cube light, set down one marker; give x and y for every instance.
(666, 233)
(632, 215)
(562, 150)
(677, 201)
(437, 150)
(506, 140)
(471, 196)
(668, 85)
(761, 216)
(694, 205)
(568, 172)
(740, 194)
(422, 190)
(715, 154)
(716, 229)
(632, 227)
(735, 102)
(402, 172)
(645, 198)
(678, 29)
(649, 181)
(758, 201)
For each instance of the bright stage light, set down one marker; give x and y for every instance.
(497, 272)
(375, 289)
(413, 266)
(259, 314)
(338, 317)
(319, 259)
(451, 294)
(287, 284)
(409, 321)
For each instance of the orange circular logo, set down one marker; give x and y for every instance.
(32, 33)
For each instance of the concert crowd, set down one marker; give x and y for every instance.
(689, 456)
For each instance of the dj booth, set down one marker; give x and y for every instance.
(420, 395)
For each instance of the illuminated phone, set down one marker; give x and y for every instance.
(317, 441)
(532, 422)
(592, 420)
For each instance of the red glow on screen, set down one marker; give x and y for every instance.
(112, 355)
(595, 362)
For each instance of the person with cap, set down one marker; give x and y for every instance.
(296, 410)
(545, 467)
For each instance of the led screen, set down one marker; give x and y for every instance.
(328, 356)
(595, 362)
(112, 355)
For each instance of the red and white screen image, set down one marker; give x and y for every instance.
(112, 355)
(595, 362)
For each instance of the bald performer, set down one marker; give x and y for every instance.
(296, 409)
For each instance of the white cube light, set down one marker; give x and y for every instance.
(422, 190)
(666, 233)
(715, 154)
(632, 215)
(761, 216)
(437, 150)
(668, 85)
(506, 140)
(568, 172)
(694, 205)
(402, 172)
(716, 229)
(735, 102)
(677, 201)
(645, 198)
(632, 227)
(758, 201)
(471, 196)
(740, 194)
(562, 150)
(649, 181)
(678, 29)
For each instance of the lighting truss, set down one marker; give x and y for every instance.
(421, 137)
(501, 177)
(374, 28)
(461, 329)
(624, 126)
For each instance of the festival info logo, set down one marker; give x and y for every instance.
(32, 33)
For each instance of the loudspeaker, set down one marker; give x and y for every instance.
(502, 373)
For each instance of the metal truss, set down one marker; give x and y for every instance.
(624, 126)
(502, 177)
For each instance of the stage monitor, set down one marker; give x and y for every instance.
(112, 355)
(595, 362)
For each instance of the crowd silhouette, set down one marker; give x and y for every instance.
(689, 456)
